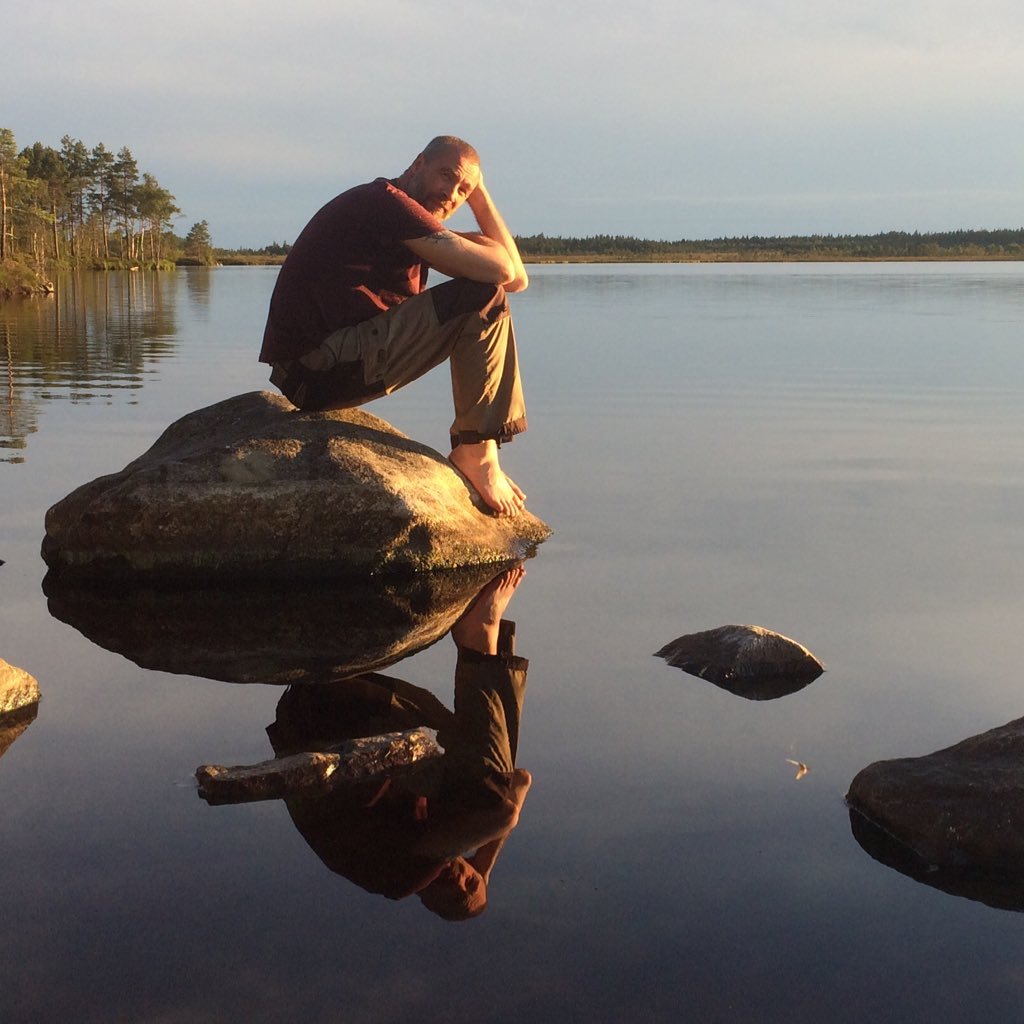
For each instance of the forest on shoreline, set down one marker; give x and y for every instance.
(92, 208)
(1005, 244)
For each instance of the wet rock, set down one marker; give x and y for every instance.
(293, 633)
(961, 807)
(17, 688)
(317, 771)
(253, 488)
(19, 703)
(750, 661)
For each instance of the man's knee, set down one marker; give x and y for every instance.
(461, 296)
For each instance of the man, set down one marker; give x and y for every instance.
(351, 319)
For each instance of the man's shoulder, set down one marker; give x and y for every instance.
(381, 200)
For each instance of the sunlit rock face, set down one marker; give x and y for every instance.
(17, 688)
(961, 807)
(251, 487)
(750, 661)
(19, 703)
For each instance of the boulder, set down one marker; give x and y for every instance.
(253, 488)
(749, 661)
(961, 807)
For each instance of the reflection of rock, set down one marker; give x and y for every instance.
(750, 661)
(316, 771)
(962, 807)
(282, 635)
(1003, 890)
(251, 487)
(19, 703)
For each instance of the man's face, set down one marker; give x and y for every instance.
(443, 184)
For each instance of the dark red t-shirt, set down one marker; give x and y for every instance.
(347, 265)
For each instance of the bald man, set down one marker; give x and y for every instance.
(351, 318)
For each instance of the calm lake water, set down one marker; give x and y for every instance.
(835, 452)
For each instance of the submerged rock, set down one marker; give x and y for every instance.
(750, 661)
(960, 807)
(316, 771)
(251, 487)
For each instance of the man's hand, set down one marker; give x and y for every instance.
(492, 226)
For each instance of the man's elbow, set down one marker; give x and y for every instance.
(519, 283)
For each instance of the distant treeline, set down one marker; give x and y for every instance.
(893, 245)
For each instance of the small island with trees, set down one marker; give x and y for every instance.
(90, 207)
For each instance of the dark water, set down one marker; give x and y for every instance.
(835, 452)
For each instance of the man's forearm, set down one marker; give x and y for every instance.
(492, 225)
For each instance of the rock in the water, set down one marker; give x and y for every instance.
(251, 487)
(316, 771)
(17, 688)
(961, 807)
(750, 661)
(19, 703)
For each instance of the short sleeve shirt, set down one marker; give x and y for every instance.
(347, 265)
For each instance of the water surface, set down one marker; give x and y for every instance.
(831, 451)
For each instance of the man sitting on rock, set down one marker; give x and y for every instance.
(351, 320)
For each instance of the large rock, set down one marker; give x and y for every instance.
(960, 807)
(251, 487)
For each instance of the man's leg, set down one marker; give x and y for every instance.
(463, 321)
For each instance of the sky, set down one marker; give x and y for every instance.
(663, 119)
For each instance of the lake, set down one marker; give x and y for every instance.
(835, 452)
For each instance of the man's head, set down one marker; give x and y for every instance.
(443, 176)
(459, 892)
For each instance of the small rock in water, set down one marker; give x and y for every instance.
(750, 661)
(316, 771)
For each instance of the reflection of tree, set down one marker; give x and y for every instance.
(199, 281)
(17, 420)
(91, 340)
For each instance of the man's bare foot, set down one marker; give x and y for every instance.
(478, 627)
(478, 463)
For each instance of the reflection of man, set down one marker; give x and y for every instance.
(350, 320)
(437, 831)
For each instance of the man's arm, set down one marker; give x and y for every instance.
(490, 256)
(474, 257)
(492, 226)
